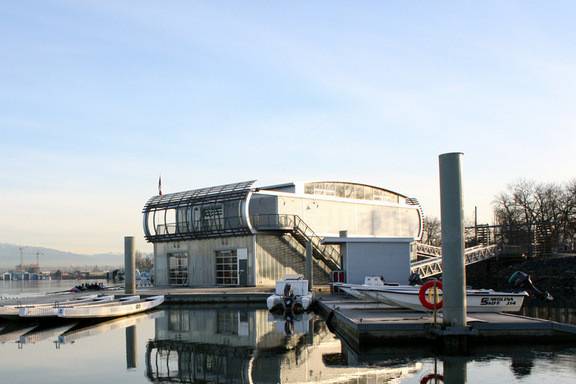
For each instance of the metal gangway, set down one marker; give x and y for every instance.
(432, 264)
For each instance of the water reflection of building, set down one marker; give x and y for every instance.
(239, 346)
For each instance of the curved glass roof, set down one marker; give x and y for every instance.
(198, 213)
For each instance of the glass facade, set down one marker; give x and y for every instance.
(351, 191)
(201, 213)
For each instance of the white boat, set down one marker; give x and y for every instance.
(43, 311)
(121, 307)
(11, 311)
(367, 291)
(290, 295)
(477, 300)
(407, 296)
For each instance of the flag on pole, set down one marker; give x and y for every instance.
(160, 185)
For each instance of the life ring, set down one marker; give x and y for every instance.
(431, 376)
(422, 295)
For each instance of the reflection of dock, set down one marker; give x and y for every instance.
(364, 327)
(11, 334)
(94, 329)
(40, 334)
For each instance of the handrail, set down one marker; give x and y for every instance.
(327, 253)
(433, 266)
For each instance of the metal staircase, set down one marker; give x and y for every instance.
(327, 256)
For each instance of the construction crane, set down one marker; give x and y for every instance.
(21, 258)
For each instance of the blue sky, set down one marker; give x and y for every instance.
(97, 98)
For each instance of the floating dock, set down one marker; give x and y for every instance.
(367, 325)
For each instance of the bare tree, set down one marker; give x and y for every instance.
(539, 210)
(144, 262)
(432, 234)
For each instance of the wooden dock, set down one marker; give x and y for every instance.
(367, 325)
(246, 295)
(254, 295)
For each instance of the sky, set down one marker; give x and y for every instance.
(98, 98)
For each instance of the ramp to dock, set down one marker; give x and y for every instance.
(432, 263)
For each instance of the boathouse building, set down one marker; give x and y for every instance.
(243, 235)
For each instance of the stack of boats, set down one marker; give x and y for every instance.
(408, 296)
(83, 307)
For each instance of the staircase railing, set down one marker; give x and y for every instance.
(326, 253)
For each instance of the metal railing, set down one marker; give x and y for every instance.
(433, 266)
(302, 232)
(425, 250)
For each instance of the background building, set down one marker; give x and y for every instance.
(241, 235)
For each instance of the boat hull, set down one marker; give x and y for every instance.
(111, 310)
(476, 302)
(407, 297)
(39, 312)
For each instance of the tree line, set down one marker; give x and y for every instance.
(546, 212)
(527, 214)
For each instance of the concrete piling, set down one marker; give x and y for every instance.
(451, 206)
(129, 266)
(310, 265)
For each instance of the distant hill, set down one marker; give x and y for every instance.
(10, 257)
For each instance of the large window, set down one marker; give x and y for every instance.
(227, 268)
(178, 268)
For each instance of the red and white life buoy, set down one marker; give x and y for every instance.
(437, 378)
(424, 298)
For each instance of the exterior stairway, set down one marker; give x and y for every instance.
(327, 256)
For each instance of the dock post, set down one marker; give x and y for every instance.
(131, 356)
(310, 265)
(129, 266)
(451, 208)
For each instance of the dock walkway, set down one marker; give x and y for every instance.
(365, 325)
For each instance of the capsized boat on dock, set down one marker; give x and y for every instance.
(12, 311)
(120, 307)
(44, 311)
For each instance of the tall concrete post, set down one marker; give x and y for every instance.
(129, 266)
(454, 272)
(310, 265)
(344, 255)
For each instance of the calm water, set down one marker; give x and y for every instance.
(244, 345)
(38, 287)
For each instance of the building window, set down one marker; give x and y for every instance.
(227, 268)
(178, 268)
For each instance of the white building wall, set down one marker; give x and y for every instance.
(360, 218)
(201, 258)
